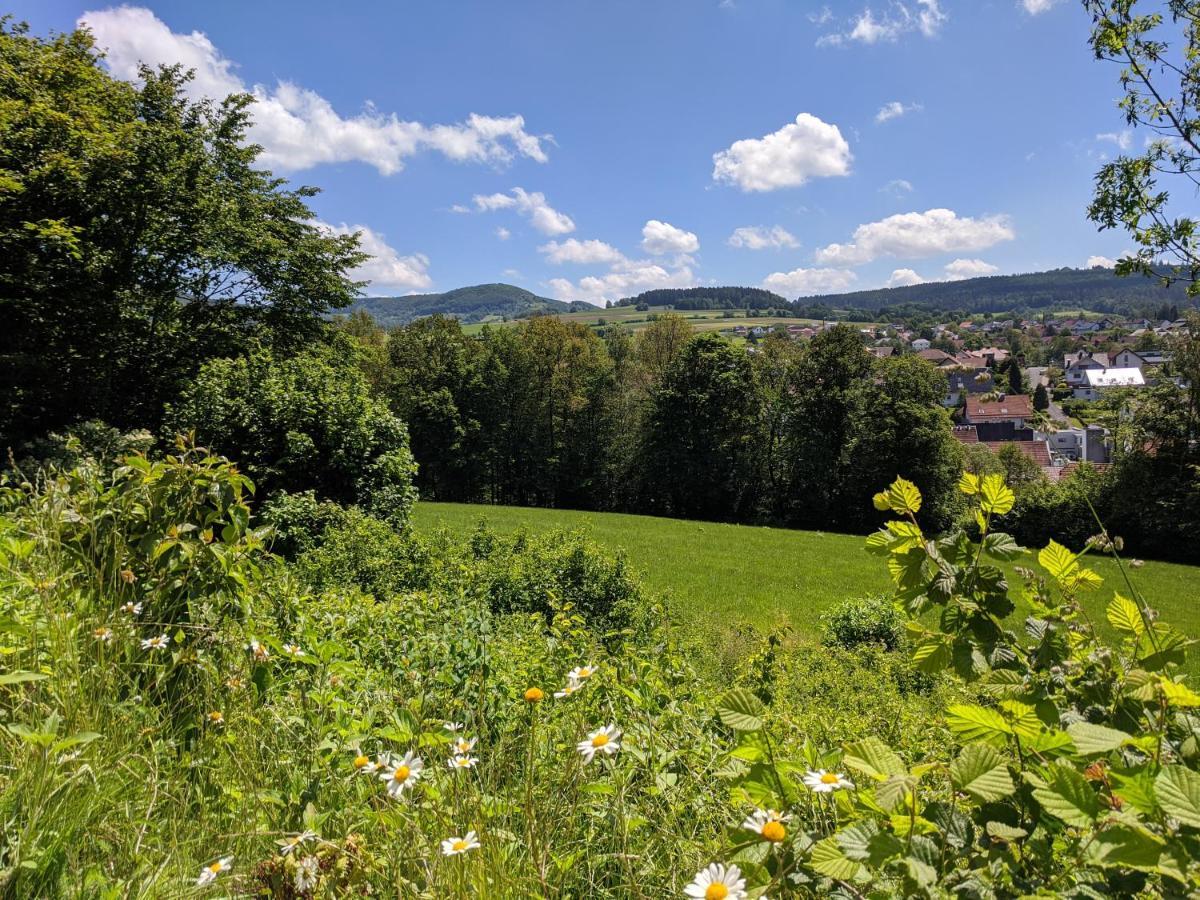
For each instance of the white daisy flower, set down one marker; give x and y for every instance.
(308, 870)
(767, 824)
(461, 761)
(216, 717)
(210, 872)
(463, 746)
(260, 652)
(823, 782)
(156, 643)
(603, 740)
(573, 684)
(131, 609)
(581, 673)
(403, 774)
(103, 635)
(287, 845)
(292, 650)
(456, 845)
(717, 883)
(363, 764)
(453, 726)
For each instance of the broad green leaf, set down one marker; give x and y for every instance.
(1022, 718)
(1090, 739)
(975, 723)
(21, 677)
(866, 842)
(1006, 833)
(874, 758)
(1067, 796)
(997, 497)
(968, 483)
(1001, 546)
(1057, 560)
(1177, 694)
(1178, 791)
(1135, 787)
(740, 710)
(981, 771)
(902, 498)
(1124, 615)
(892, 794)
(1125, 847)
(828, 859)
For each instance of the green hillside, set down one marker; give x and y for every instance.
(477, 303)
(719, 575)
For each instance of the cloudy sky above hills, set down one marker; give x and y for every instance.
(590, 150)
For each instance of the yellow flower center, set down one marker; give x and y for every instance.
(216, 867)
(774, 831)
(360, 761)
(216, 716)
(600, 740)
(401, 773)
(585, 672)
(830, 778)
(533, 695)
(716, 891)
(459, 846)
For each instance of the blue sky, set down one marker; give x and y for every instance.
(591, 149)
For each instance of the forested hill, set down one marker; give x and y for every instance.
(477, 303)
(1095, 289)
(708, 298)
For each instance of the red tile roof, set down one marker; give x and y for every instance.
(1013, 406)
(1035, 450)
(968, 434)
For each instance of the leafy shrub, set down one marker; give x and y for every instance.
(872, 619)
(91, 440)
(305, 422)
(299, 522)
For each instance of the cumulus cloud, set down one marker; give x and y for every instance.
(1121, 138)
(581, 252)
(532, 205)
(625, 279)
(804, 149)
(895, 21)
(298, 128)
(1103, 262)
(805, 282)
(661, 238)
(387, 270)
(917, 234)
(968, 268)
(894, 110)
(761, 238)
(904, 278)
(1037, 7)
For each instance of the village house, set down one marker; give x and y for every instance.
(1005, 418)
(1097, 381)
(963, 382)
(920, 344)
(1090, 444)
(1076, 365)
(1140, 359)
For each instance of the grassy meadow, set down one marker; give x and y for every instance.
(705, 320)
(718, 574)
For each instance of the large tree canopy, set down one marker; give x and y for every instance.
(137, 239)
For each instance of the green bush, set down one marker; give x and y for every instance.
(300, 521)
(873, 619)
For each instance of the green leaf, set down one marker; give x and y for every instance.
(981, 771)
(1135, 787)
(1057, 560)
(975, 723)
(865, 841)
(874, 758)
(1124, 615)
(999, 545)
(1067, 796)
(1006, 833)
(1178, 791)
(902, 498)
(1125, 847)
(21, 677)
(828, 859)
(740, 710)
(892, 794)
(997, 497)
(968, 483)
(1090, 739)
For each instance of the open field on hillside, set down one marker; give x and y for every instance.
(700, 320)
(720, 574)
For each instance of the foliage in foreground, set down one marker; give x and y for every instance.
(473, 717)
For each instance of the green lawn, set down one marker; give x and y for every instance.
(722, 574)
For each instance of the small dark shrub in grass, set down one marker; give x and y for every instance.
(872, 619)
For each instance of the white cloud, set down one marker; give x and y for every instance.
(660, 238)
(898, 19)
(1037, 7)
(299, 128)
(624, 279)
(917, 234)
(541, 214)
(894, 110)
(1102, 261)
(805, 282)
(804, 149)
(503, 233)
(904, 278)
(968, 268)
(761, 238)
(897, 187)
(1121, 138)
(583, 252)
(387, 270)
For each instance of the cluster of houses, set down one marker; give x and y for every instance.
(1091, 373)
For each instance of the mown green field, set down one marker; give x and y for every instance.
(721, 574)
(631, 318)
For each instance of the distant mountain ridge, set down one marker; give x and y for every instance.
(477, 303)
